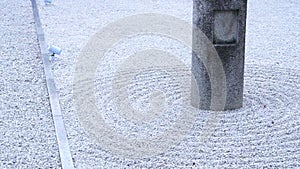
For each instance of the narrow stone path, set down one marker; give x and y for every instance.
(61, 135)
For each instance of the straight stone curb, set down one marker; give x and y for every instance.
(60, 131)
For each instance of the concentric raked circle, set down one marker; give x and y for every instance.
(265, 133)
(147, 60)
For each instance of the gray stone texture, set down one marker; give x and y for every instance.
(224, 23)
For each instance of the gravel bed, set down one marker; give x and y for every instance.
(263, 134)
(27, 136)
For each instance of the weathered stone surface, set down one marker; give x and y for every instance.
(224, 23)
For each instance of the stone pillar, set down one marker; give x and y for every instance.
(224, 24)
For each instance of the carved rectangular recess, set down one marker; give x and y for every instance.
(225, 27)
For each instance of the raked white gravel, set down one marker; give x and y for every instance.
(265, 133)
(27, 136)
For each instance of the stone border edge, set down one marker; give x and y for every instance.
(60, 131)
